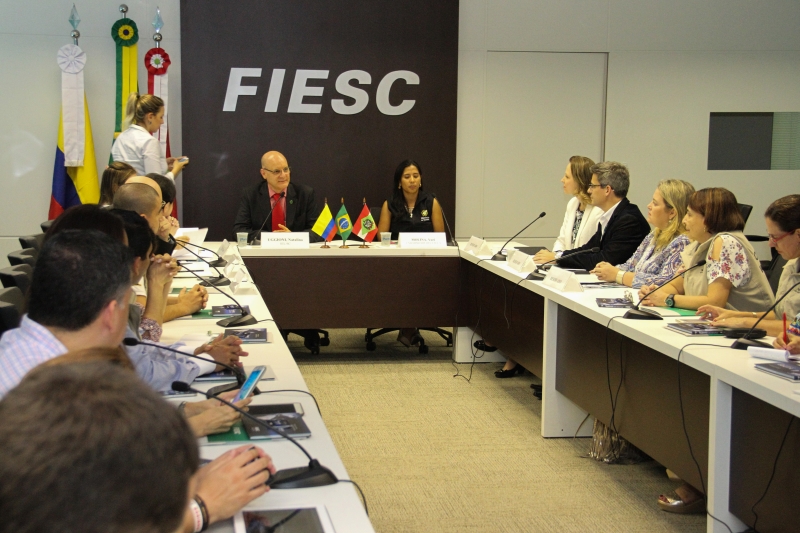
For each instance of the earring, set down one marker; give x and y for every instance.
(399, 187)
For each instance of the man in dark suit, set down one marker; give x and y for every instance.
(621, 228)
(293, 205)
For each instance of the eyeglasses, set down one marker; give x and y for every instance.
(593, 185)
(774, 240)
(286, 170)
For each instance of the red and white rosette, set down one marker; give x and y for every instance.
(156, 60)
(71, 59)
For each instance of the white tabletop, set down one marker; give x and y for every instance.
(353, 250)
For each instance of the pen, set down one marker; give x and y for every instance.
(785, 336)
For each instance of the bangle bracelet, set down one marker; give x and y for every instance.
(204, 511)
(620, 276)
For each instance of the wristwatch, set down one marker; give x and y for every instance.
(670, 300)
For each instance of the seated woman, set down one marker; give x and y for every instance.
(783, 227)
(580, 223)
(658, 258)
(114, 177)
(731, 278)
(410, 209)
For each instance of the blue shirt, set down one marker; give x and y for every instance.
(24, 348)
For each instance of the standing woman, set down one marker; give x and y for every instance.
(136, 145)
(410, 209)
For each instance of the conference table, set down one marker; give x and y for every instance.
(340, 501)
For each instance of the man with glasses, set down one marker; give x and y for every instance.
(276, 203)
(620, 229)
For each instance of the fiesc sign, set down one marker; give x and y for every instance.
(300, 90)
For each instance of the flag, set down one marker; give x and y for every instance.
(324, 226)
(343, 224)
(125, 34)
(365, 227)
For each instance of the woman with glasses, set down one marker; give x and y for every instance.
(144, 115)
(658, 258)
(782, 219)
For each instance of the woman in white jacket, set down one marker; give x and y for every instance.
(580, 223)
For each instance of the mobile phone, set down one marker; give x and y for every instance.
(183, 159)
(250, 384)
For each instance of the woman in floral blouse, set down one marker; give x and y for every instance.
(658, 258)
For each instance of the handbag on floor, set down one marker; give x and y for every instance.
(610, 448)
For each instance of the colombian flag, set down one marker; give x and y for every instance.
(324, 226)
(74, 185)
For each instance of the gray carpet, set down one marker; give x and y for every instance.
(437, 453)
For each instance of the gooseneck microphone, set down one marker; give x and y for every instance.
(237, 372)
(245, 319)
(218, 262)
(745, 341)
(449, 231)
(219, 281)
(499, 255)
(258, 233)
(313, 475)
(536, 275)
(635, 313)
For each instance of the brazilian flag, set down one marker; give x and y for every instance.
(343, 225)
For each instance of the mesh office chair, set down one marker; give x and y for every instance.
(32, 241)
(27, 256)
(17, 276)
(12, 307)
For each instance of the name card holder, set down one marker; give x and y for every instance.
(562, 280)
(422, 240)
(284, 240)
(477, 246)
(223, 247)
(520, 261)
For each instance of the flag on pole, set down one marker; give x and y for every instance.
(343, 224)
(365, 227)
(75, 179)
(324, 226)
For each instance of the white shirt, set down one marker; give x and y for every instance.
(140, 150)
(587, 228)
(606, 217)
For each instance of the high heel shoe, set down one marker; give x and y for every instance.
(510, 373)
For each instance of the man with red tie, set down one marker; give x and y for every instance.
(276, 203)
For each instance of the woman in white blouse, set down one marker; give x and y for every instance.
(136, 145)
(580, 223)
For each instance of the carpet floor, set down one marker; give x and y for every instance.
(434, 452)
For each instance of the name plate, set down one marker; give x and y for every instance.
(223, 247)
(422, 240)
(562, 280)
(520, 261)
(284, 239)
(477, 246)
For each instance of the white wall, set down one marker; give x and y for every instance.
(670, 62)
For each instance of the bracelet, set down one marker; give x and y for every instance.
(182, 408)
(620, 276)
(203, 509)
(197, 514)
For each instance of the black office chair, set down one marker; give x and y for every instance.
(46, 225)
(12, 307)
(17, 276)
(423, 348)
(27, 256)
(309, 342)
(746, 210)
(32, 241)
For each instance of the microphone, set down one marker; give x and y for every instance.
(245, 319)
(640, 314)
(538, 275)
(258, 233)
(313, 475)
(219, 281)
(452, 239)
(499, 255)
(218, 262)
(237, 371)
(745, 341)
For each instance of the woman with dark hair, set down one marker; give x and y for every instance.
(114, 177)
(783, 227)
(410, 209)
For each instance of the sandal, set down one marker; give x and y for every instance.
(674, 503)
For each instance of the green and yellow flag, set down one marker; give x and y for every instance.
(343, 225)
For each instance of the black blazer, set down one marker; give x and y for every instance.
(624, 233)
(301, 209)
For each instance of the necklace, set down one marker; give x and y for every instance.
(410, 209)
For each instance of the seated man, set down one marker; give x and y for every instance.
(135, 199)
(621, 228)
(296, 210)
(88, 447)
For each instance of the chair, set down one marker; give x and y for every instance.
(308, 341)
(12, 306)
(17, 276)
(46, 225)
(27, 256)
(32, 241)
(746, 210)
(423, 348)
